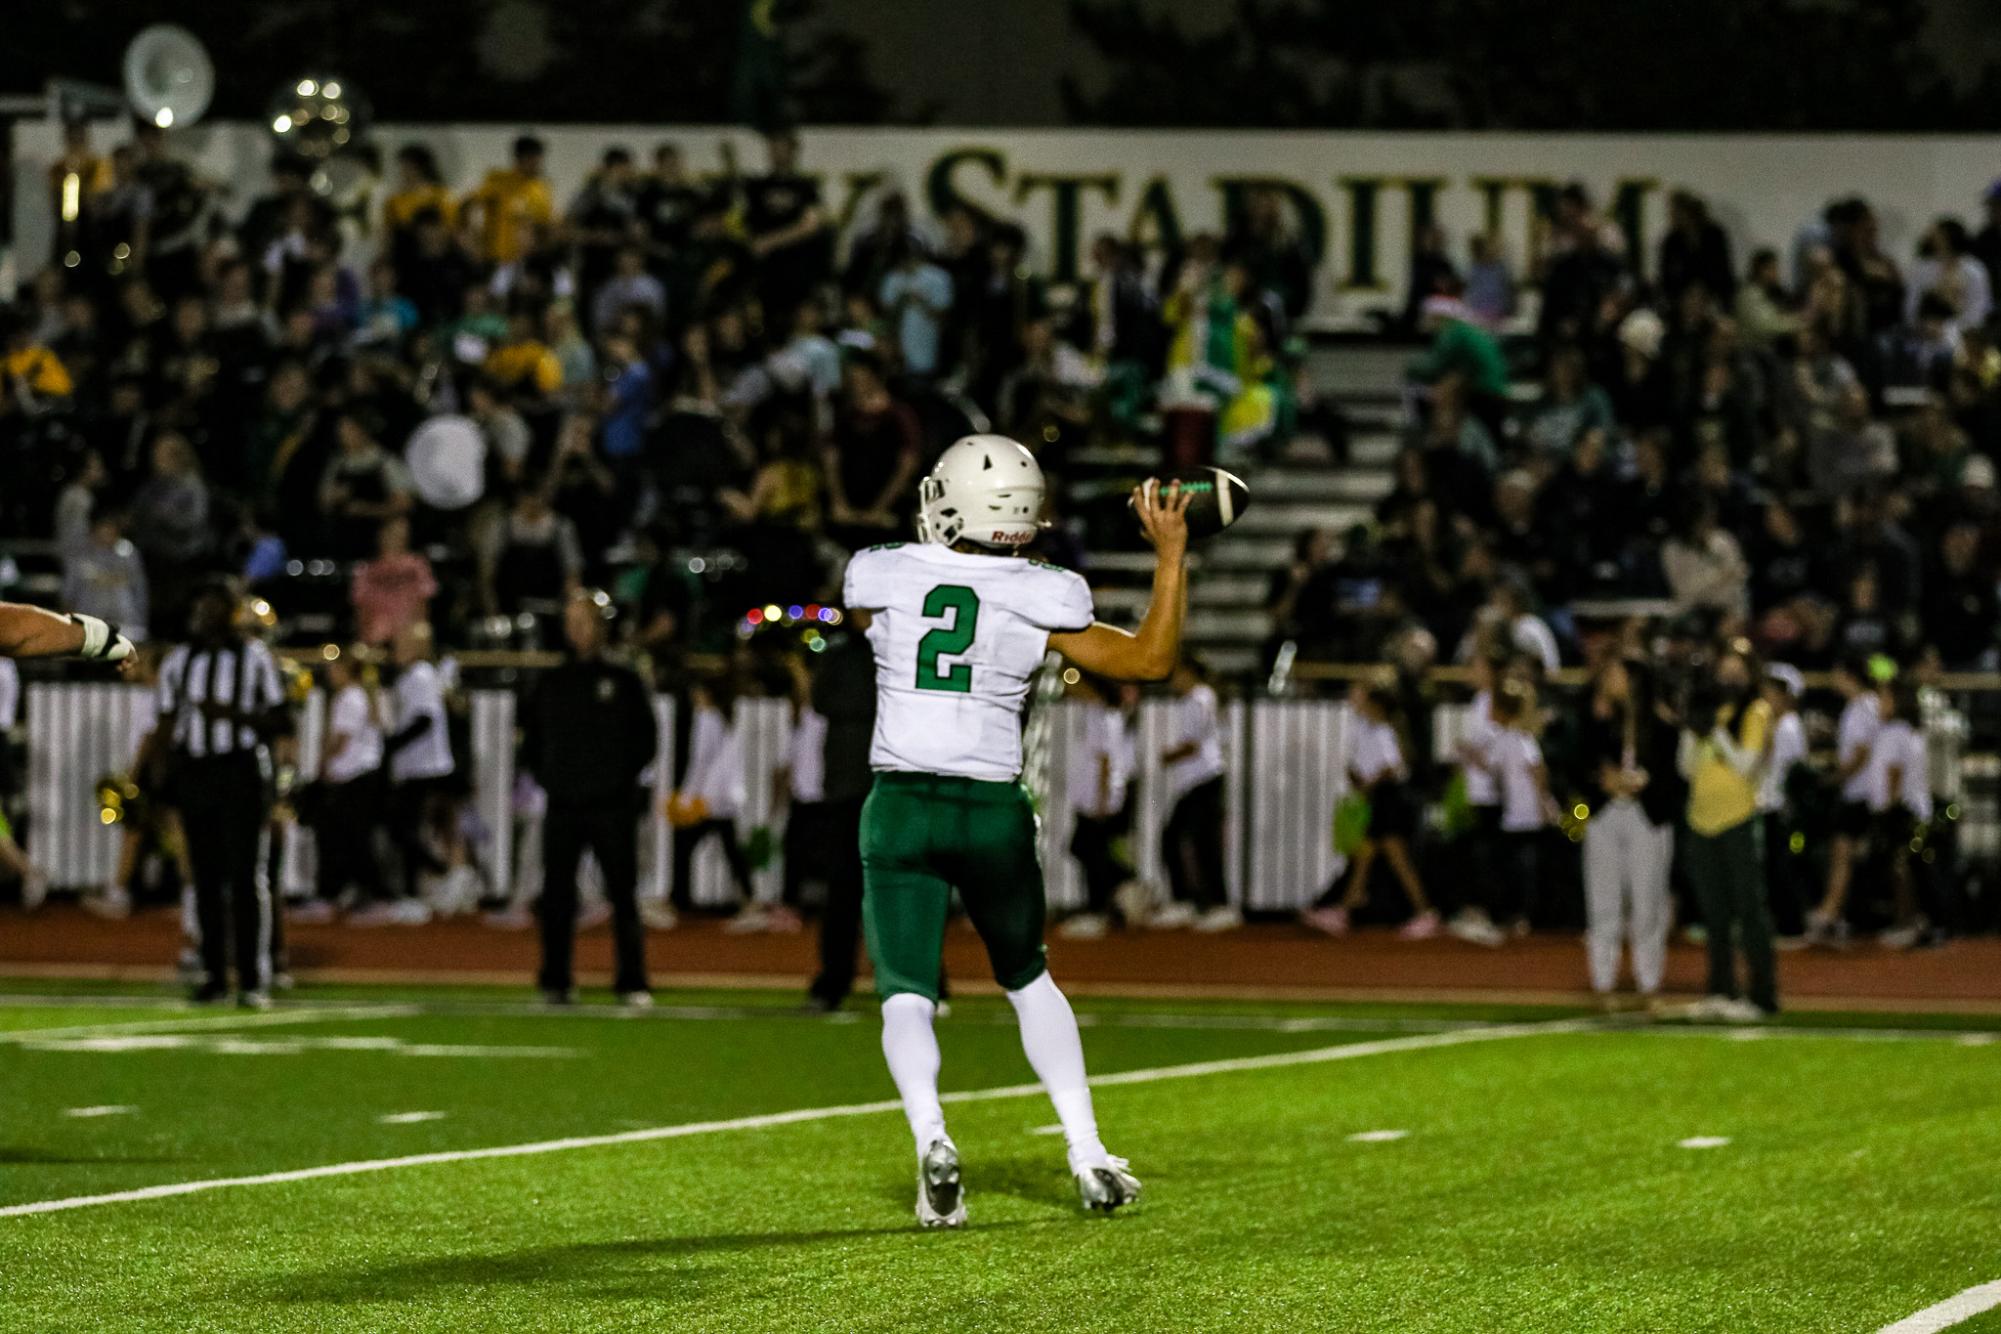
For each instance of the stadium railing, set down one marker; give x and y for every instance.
(1284, 758)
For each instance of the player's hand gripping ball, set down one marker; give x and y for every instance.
(1217, 498)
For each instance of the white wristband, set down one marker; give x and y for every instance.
(96, 635)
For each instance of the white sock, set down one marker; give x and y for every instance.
(1049, 1038)
(911, 1049)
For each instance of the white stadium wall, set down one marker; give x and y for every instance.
(1358, 193)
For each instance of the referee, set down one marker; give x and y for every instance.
(220, 702)
(588, 734)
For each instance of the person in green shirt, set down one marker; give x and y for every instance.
(1462, 348)
(1724, 764)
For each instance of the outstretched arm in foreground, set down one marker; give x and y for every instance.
(1148, 654)
(30, 632)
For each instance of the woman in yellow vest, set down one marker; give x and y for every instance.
(1724, 740)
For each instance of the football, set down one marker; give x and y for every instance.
(1220, 498)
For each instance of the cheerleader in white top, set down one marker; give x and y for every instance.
(1898, 787)
(1377, 767)
(711, 793)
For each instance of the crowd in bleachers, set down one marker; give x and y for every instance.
(1798, 448)
(693, 390)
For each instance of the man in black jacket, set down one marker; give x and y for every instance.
(843, 694)
(588, 734)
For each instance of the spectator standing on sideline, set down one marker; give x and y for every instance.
(1900, 802)
(350, 793)
(1481, 891)
(420, 775)
(800, 787)
(1379, 768)
(1525, 802)
(1723, 755)
(708, 800)
(1192, 839)
(1101, 767)
(1855, 733)
(1627, 852)
(843, 694)
(220, 703)
(588, 734)
(1783, 687)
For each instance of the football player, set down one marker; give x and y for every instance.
(30, 632)
(959, 622)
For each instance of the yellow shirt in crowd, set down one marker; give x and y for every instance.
(1721, 796)
(511, 204)
(40, 370)
(530, 361)
(400, 210)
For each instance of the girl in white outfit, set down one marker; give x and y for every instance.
(711, 794)
(1898, 784)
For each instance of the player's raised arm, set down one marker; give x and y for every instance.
(30, 632)
(1148, 654)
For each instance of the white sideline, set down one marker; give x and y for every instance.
(1274, 1060)
(1960, 1307)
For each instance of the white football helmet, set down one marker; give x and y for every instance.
(986, 489)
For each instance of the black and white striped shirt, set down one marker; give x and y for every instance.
(241, 675)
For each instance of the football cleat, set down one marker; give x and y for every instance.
(941, 1201)
(1107, 1186)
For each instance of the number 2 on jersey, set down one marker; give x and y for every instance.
(962, 606)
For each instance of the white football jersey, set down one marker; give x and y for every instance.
(957, 637)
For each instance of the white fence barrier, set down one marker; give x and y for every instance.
(1283, 765)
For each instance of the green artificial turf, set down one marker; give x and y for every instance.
(1540, 1186)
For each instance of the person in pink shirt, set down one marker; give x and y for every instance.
(393, 590)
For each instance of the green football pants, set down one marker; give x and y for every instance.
(924, 836)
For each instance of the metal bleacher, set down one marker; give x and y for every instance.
(1306, 486)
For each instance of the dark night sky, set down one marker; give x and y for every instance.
(993, 63)
(997, 63)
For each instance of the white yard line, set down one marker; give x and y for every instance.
(1952, 1311)
(316, 1011)
(1196, 1070)
(232, 1019)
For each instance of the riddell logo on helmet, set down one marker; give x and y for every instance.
(1001, 539)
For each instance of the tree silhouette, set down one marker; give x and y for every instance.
(1528, 65)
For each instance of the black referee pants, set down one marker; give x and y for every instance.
(613, 834)
(223, 819)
